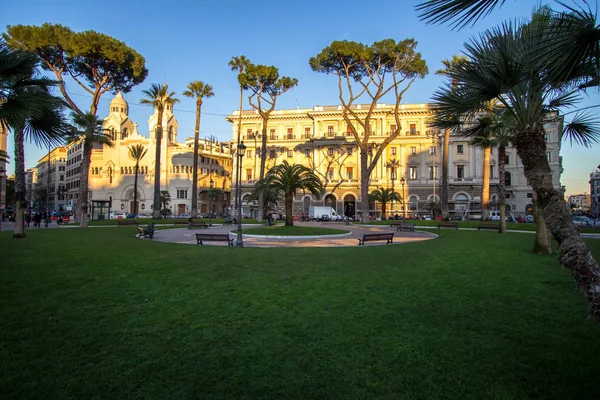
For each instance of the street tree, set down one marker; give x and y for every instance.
(159, 97)
(198, 90)
(384, 196)
(265, 86)
(370, 72)
(136, 152)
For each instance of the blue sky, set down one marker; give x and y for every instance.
(186, 40)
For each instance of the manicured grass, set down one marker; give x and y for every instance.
(164, 221)
(100, 314)
(282, 230)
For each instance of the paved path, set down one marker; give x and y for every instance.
(187, 236)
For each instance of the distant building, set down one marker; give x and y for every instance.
(579, 201)
(30, 186)
(320, 139)
(595, 191)
(50, 191)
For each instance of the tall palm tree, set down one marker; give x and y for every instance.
(88, 130)
(239, 64)
(384, 196)
(165, 199)
(198, 90)
(448, 66)
(137, 152)
(288, 179)
(28, 110)
(159, 97)
(510, 64)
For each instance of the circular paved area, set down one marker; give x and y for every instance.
(187, 236)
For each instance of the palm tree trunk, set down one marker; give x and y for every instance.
(289, 218)
(573, 253)
(20, 195)
(485, 191)
(364, 185)
(263, 159)
(83, 184)
(445, 165)
(194, 212)
(239, 137)
(502, 187)
(383, 210)
(157, 205)
(542, 244)
(135, 183)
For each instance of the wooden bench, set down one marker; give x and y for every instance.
(181, 222)
(403, 226)
(492, 226)
(213, 237)
(369, 237)
(199, 225)
(126, 222)
(141, 233)
(445, 224)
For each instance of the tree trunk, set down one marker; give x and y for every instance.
(236, 159)
(502, 187)
(194, 212)
(157, 205)
(485, 191)
(573, 253)
(135, 183)
(542, 244)
(20, 195)
(445, 162)
(364, 185)
(383, 210)
(263, 159)
(83, 184)
(289, 218)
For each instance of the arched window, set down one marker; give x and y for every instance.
(330, 201)
(507, 178)
(177, 169)
(413, 203)
(112, 133)
(171, 138)
(124, 133)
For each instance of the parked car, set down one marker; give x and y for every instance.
(186, 215)
(144, 216)
(585, 221)
(117, 215)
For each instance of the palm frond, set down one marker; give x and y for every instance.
(459, 13)
(584, 129)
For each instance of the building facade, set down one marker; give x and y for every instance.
(30, 186)
(50, 189)
(112, 170)
(595, 192)
(411, 164)
(579, 201)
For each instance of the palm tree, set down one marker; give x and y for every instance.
(384, 196)
(510, 64)
(484, 140)
(137, 152)
(393, 165)
(239, 64)
(88, 130)
(28, 110)
(159, 97)
(448, 66)
(287, 179)
(165, 199)
(199, 90)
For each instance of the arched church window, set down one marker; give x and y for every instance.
(112, 133)
(171, 138)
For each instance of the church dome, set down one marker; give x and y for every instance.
(119, 104)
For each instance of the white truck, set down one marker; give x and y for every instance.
(323, 214)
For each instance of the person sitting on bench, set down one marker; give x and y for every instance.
(149, 230)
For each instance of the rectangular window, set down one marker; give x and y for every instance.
(507, 195)
(393, 151)
(182, 194)
(248, 174)
(330, 151)
(491, 172)
(290, 133)
(330, 131)
(272, 134)
(62, 177)
(432, 150)
(348, 130)
(547, 136)
(349, 173)
(460, 149)
(507, 160)
(530, 195)
(413, 173)
(413, 129)
(392, 129)
(249, 153)
(433, 172)
(460, 171)
(307, 153)
(249, 134)
(349, 151)
(413, 150)
(290, 153)
(307, 134)
(549, 156)
(393, 173)
(272, 154)
(330, 173)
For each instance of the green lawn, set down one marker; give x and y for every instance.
(282, 230)
(100, 314)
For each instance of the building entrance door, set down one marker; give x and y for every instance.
(132, 208)
(180, 209)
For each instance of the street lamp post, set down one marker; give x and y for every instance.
(210, 196)
(240, 154)
(402, 182)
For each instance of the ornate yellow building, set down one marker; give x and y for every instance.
(411, 164)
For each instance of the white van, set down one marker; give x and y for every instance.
(494, 215)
